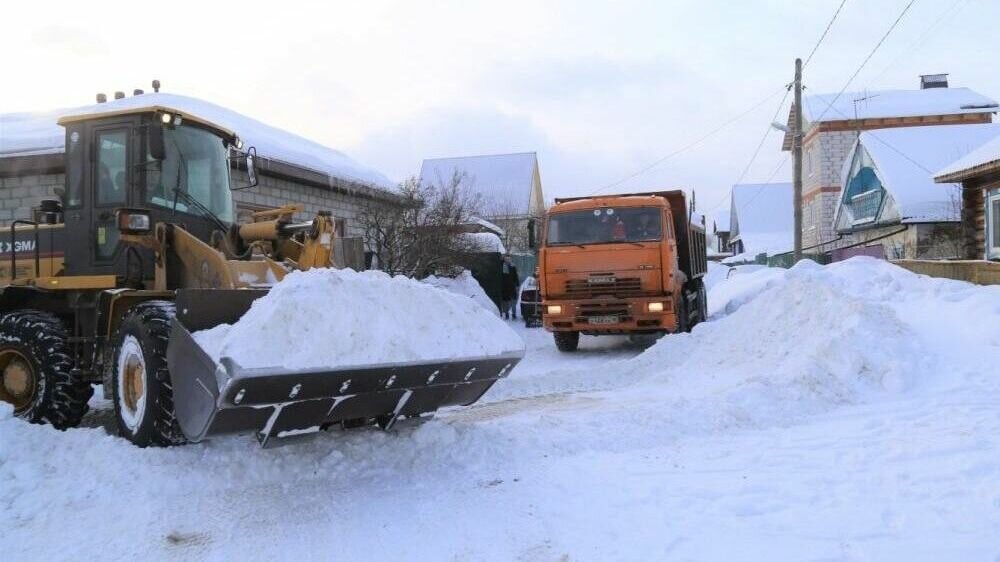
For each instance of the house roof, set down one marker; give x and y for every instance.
(895, 103)
(762, 217)
(986, 158)
(905, 159)
(504, 180)
(25, 134)
(879, 104)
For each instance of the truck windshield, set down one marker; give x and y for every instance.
(197, 163)
(605, 226)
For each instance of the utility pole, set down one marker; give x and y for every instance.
(797, 155)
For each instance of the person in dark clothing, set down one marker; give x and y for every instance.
(510, 282)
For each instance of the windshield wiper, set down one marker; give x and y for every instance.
(190, 199)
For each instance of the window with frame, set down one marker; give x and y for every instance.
(112, 169)
(993, 225)
(864, 192)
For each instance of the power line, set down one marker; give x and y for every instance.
(867, 58)
(688, 146)
(767, 130)
(950, 12)
(823, 36)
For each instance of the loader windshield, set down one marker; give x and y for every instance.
(606, 225)
(196, 163)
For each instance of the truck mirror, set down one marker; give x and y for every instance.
(156, 148)
(531, 233)
(250, 161)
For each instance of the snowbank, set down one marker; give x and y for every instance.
(466, 285)
(340, 317)
(788, 343)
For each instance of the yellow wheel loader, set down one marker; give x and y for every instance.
(109, 283)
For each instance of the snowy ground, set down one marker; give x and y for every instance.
(850, 412)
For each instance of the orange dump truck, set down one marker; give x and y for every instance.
(621, 264)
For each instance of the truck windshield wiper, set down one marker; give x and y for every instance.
(205, 211)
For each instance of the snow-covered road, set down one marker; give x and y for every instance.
(840, 413)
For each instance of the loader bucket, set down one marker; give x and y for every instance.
(215, 398)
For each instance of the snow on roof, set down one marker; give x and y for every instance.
(905, 158)
(486, 241)
(504, 180)
(986, 155)
(896, 103)
(23, 134)
(721, 220)
(487, 225)
(762, 217)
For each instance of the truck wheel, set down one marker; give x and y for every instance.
(36, 369)
(567, 341)
(143, 395)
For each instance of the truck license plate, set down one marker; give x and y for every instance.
(609, 319)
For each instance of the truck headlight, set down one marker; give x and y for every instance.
(133, 221)
(553, 309)
(654, 307)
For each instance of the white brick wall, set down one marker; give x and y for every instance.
(19, 195)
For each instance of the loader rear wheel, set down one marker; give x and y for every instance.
(36, 370)
(566, 341)
(143, 395)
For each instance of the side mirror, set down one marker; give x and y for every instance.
(531, 234)
(156, 147)
(251, 165)
(249, 160)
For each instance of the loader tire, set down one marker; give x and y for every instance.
(566, 341)
(142, 391)
(36, 370)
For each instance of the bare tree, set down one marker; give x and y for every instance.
(425, 234)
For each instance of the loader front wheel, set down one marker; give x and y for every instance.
(143, 395)
(566, 341)
(36, 370)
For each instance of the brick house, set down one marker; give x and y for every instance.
(291, 169)
(979, 174)
(831, 127)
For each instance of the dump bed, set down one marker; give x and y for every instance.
(691, 246)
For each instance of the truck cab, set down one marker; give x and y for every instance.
(622, 264)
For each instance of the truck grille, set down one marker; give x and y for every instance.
(621, 287)
(590, 310)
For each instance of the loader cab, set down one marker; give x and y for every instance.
(175, 165)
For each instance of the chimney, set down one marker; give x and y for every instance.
(119, 95)
(156, 86)
(137, 92)
(101, 98)
(928, 81)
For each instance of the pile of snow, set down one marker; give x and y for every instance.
(785, 344)
(466, 285)
(341, 317)
(799, 343)
(716, 273)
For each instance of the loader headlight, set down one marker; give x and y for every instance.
(133, 221)
(654, 307)
(554, 309)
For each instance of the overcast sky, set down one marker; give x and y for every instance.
(600, 91)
